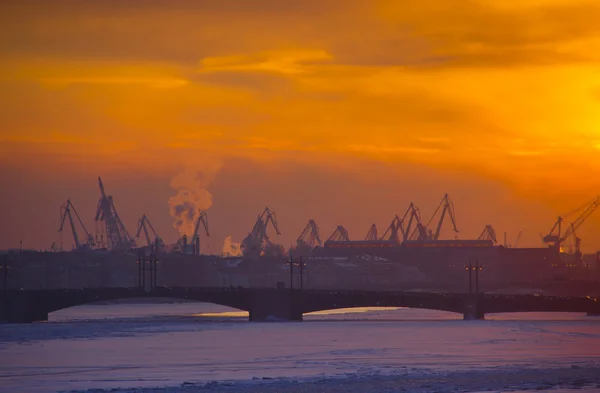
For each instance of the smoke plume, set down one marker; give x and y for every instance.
(192, 196)
(231, 248)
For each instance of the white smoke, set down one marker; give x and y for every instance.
(231, 248)
(192, 196)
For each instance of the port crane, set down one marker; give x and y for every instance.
(202, 219)
(372, 234)
(555, 238)
(339, 235)
(423, 232)
(517, 239)
(391, 234)
(182, 243)
(420, 232)
(257, 242)
(310, 237)
(488, 233)
(447, 206)
(143, 225)
(67, 210)
(117, 237)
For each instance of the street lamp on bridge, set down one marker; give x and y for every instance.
(470, 268)
(300, 265)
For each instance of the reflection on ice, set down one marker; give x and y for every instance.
(223, 314)
(353, 310)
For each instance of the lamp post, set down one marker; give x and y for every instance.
(470, 268)
(291, 273)
(301, 271)
(477, 277)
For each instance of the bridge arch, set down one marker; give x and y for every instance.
(347, 299)
(30, 306)
(161, 302)
(58, 300)
(388, 313)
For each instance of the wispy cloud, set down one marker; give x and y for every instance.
(432, 139)
(283, 62)
(525, 153)
(452, 83)
(158, 83)
(391, 149)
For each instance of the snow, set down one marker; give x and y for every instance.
(157, 345)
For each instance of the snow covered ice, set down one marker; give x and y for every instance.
(201, 347)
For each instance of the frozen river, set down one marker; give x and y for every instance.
(167, 345)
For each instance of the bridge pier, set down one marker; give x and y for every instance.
(283, 307)
(24, 308)
(473, 308)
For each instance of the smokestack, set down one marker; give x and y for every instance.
(504, 239)
(197, 245)
(184, 243)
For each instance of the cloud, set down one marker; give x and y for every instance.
(434, 140)
(526, 153)
(282, 62)
(182, 30)
(392, 149)
(476, 33)
(159, 83)
(495, 89)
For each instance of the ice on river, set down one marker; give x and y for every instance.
(154, 345)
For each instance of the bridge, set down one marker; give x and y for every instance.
(263, 304)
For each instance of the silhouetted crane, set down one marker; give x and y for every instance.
(488, 233)
(257, 242)
(372, 234)
(555, 237)
(156, 242)
(202, 219)
(117, 237)
(308, 240)
(339, 235)
(423, 232)
(391, 234)
(66, 211)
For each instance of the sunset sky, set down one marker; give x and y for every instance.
(341, 111)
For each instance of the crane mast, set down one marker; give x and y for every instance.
(257, 242)
(117, 236)
(391, 234)
(67, 211)
(555, 238)
(488, 233)
(310, 236)
(308, 240)
(447, 208)
(339, 235)
(517, 239)
(420, 232)
(143, 224)
(202, 219)
(412, 213)
(372, 234)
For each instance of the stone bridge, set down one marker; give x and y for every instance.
(23, 306)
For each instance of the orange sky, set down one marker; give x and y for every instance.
(341, 111)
